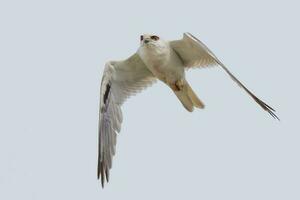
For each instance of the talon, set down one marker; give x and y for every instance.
(178, 85)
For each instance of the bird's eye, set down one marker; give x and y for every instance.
(142, 37)
(154, 37)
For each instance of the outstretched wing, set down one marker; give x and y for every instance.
(194, 53)
(120, 80)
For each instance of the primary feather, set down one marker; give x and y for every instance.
(121, 79)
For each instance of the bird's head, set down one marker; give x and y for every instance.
(148, 40)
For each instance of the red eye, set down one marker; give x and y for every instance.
(142, 37)
(154, 37)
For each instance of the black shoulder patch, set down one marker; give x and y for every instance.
(107, 90)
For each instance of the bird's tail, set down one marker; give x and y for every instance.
(188, 98)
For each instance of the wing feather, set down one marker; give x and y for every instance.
(191, 53)
(121, 79)
(195, 53)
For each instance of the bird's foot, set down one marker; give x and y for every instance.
(177, 85)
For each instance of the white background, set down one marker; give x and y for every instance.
(52, 55)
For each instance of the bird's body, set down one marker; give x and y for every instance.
(162, 61)
(165, 64)
(155, 59)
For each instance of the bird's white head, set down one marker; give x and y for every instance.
(148, 40)
(153, 50)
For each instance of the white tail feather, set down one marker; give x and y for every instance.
(188, 98)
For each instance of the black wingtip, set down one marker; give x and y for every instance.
(102, 177)
(100, 174)
(102, 183)
(107, 175)
(273, 115)
(103, 174)
(271, 112)
(266, 107)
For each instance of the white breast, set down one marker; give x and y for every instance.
(155, 57)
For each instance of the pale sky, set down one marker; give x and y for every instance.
(52, 54)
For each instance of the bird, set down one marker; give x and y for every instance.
(155, 60)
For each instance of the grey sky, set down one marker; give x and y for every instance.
(52, 54)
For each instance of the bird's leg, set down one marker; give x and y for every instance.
(177, 85)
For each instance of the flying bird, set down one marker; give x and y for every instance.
(155, 59)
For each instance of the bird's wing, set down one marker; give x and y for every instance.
(121, 79)
(194, 53)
